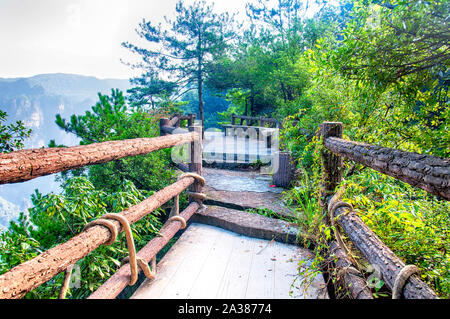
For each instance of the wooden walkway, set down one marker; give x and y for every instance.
(229, 253)
(226, 250)
(208, 262)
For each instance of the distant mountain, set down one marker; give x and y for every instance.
(36, 101)
(8, 211)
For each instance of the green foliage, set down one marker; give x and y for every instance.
(394, 59)
(214, 103)
(379, 67)
(265, 74)
(412, 223)
(352, 79)
(12, 135)
(91, 192)
(150, 91)
(111, 119)
(55, 218)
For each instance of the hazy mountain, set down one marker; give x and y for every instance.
(36, 100)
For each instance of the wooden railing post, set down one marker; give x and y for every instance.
(163, 122)
(191, 119)
(332, 164)
(352, 281)
(195, 163)
(233, 119)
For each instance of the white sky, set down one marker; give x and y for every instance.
(78, 36)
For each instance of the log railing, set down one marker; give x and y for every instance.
(423, 171)
(27, 164)
(254, 121)
(168, 126)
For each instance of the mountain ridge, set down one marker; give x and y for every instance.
(36, 100)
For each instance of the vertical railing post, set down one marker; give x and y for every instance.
(191, 119)
(195, 163)
(332, 164)
(233, 119)
(163, 122)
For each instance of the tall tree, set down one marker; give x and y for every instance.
(181, 49)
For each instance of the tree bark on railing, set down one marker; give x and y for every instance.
(353, 282)
(373, 249)
(196, 160)
(163, 123)
(31, 274)
(429, 173)
(167, 130)
(28, 164)
(379, 255)
(121, 278)
(250, 119)
(174, 121)
(349, 277)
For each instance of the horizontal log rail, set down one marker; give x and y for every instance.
(168, 129)
(429, 173)
(28, 164)
(379, 255)
(168, 126)
(347, 275)
(29, 275)
(426, 172)
(120, 280)
(174, 121)
(24, 165)
(254, 119)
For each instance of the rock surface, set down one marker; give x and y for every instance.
(243, 190)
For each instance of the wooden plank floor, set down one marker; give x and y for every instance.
(209, 262)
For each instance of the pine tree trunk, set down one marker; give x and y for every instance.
(200, 83)
(200, 104)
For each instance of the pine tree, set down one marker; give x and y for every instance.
(181, 51)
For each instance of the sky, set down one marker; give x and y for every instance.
(80, 36)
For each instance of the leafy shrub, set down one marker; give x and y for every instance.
(55, 218)
(412, 223)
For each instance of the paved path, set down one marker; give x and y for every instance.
(244, 189)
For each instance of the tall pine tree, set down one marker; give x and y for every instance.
(180, 51)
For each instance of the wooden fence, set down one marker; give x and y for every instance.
(423, 171)
(28, 164)
(260, 121)
(426, 172)
(168, 126)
